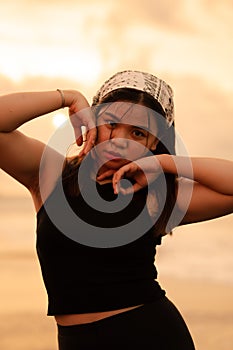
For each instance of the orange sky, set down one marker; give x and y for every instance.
(78, 44)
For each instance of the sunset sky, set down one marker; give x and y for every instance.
(79, 44)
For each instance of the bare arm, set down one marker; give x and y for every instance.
(20, 155)
(205, 185)
(210, 182)
(18, 108)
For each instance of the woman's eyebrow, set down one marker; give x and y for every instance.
(112, 115)
(143, 127)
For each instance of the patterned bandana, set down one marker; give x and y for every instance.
(141, 81)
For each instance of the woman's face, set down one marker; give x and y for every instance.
(126, 132)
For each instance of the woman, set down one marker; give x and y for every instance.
(97, 234)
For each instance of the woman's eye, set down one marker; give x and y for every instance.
(139, 133)
(111, 123)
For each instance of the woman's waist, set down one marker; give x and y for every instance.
(92, 303)
(72, 319)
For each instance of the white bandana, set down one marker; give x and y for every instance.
(141, 81)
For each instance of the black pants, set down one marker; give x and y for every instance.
(157, 325)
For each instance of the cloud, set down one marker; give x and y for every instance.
(162, 15)
(88, 40)
(216, 6)
(36, 83)
(203, 116)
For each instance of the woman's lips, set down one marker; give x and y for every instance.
(112, 155)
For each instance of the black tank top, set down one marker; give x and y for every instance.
(80, 278)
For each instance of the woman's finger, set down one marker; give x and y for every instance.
(129, 190)
(78, 136)
(105, 175)
(90, 141)
(84, 118)
(91, 130)
(117, 178)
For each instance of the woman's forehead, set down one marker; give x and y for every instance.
(131, 113)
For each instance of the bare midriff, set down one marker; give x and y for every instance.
(72, 319)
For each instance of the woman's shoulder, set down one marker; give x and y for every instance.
(51, 169)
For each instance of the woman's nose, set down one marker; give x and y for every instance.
(119, 142)
(119, 137)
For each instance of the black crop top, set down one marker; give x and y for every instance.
(81, 278)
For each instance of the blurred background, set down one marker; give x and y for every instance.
(79, 44)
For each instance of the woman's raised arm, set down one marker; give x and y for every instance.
(207, 183)
(20, 155)
(18, 108)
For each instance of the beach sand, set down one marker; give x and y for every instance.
(207, 307)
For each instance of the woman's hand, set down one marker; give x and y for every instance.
(142, 171)
(81, 115)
